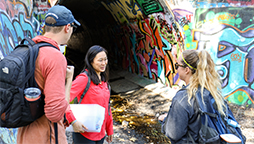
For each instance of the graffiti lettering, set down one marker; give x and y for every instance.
(184, 21)
(13, 31)
(123, 10)
(150, 6)
(226, 17)
(236, 57)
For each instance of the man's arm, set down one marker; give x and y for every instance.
(68, 82)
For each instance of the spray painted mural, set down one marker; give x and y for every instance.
(153, 39)
(225, 29)
(227, 33)
(18, 19)
(149, 40)
(153, 33)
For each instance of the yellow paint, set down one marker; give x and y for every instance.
(240, 98)
(186, 27)
(119, 7)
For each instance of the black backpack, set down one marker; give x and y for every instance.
(16, 74)
(214, 125)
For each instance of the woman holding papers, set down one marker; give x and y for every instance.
(98, 93)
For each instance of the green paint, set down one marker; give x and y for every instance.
(187, 32)
(249, 102)
(149, 6)
(248, 27)
(238, 21)
(186, 27)
(210, 16)
(239, 98)
(250, 19)
(188, 44)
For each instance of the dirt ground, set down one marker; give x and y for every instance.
(135, 118)
(245, 118)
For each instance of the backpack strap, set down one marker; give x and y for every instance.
(56, 132)
(109, 88)
(190, 138)
(29, 40)
(34, 50)
(201, 112)
(86, 89)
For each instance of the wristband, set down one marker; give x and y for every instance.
(73, 122)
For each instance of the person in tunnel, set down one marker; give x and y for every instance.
(54, 79)
(197, 70)
(96, 66)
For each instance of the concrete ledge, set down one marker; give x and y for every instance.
(132, 81)
(139, 80)
(162, 90)
(123, 85)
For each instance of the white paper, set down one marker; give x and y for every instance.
(91, 115)
(230, 138)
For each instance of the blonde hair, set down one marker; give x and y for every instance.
(204, 76)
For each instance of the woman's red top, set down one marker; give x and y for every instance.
(96, 94)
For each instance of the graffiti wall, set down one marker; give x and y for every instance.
(225, 29)
(153, 33)
(18, 19)
(227, 33)
(149, 37)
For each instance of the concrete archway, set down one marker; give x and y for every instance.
(97, 28)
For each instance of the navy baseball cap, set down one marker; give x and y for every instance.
(62, 15)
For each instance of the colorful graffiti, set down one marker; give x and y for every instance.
(225, 30)
(18, 19)
(221, 30)
(123, 10)
(149, 38)
(228, 34)
(211, 4)
(149, 46)
(13, 31)
(150, 6)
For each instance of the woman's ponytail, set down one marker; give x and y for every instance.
(207, 77)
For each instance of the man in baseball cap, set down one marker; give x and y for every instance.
(62, 15)
(54, 78)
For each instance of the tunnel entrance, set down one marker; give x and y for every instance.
(98, 27)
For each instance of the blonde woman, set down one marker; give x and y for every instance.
(197, 70)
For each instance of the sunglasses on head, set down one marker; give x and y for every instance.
(74, 27)
(178, 65)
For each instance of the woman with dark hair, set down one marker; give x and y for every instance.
(197, 70)
(96, 65)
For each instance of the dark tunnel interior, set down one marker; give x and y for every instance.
(98, 27)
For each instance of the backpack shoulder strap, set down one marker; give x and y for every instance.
(109, 88)
(86, 89)
(29, 40)
(43, 44)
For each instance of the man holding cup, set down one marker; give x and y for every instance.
(54, 79)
